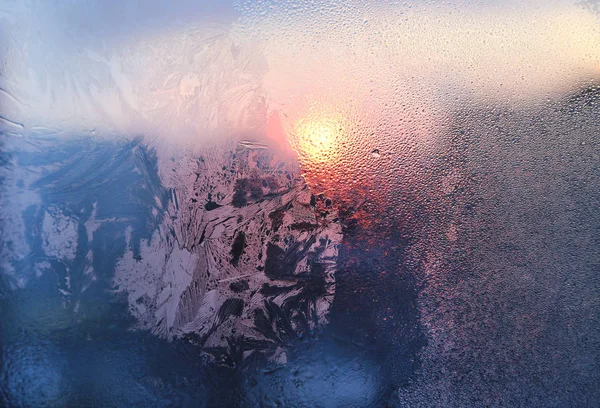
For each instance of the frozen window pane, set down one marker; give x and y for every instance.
(299, 204)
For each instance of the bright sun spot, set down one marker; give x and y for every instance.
(317, 139)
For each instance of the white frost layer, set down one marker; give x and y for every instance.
(59, 235)
(188, 277)
(162, 274)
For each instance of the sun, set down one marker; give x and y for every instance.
(317, 138)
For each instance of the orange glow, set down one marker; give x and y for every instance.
(318, 138)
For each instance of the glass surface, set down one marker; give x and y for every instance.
(299, 204)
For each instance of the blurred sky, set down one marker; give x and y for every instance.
(185, 70)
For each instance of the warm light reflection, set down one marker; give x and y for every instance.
(317, 138)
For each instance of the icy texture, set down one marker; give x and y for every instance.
(59, 236)
(246, 254)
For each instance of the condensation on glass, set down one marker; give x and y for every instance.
(272, 203)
